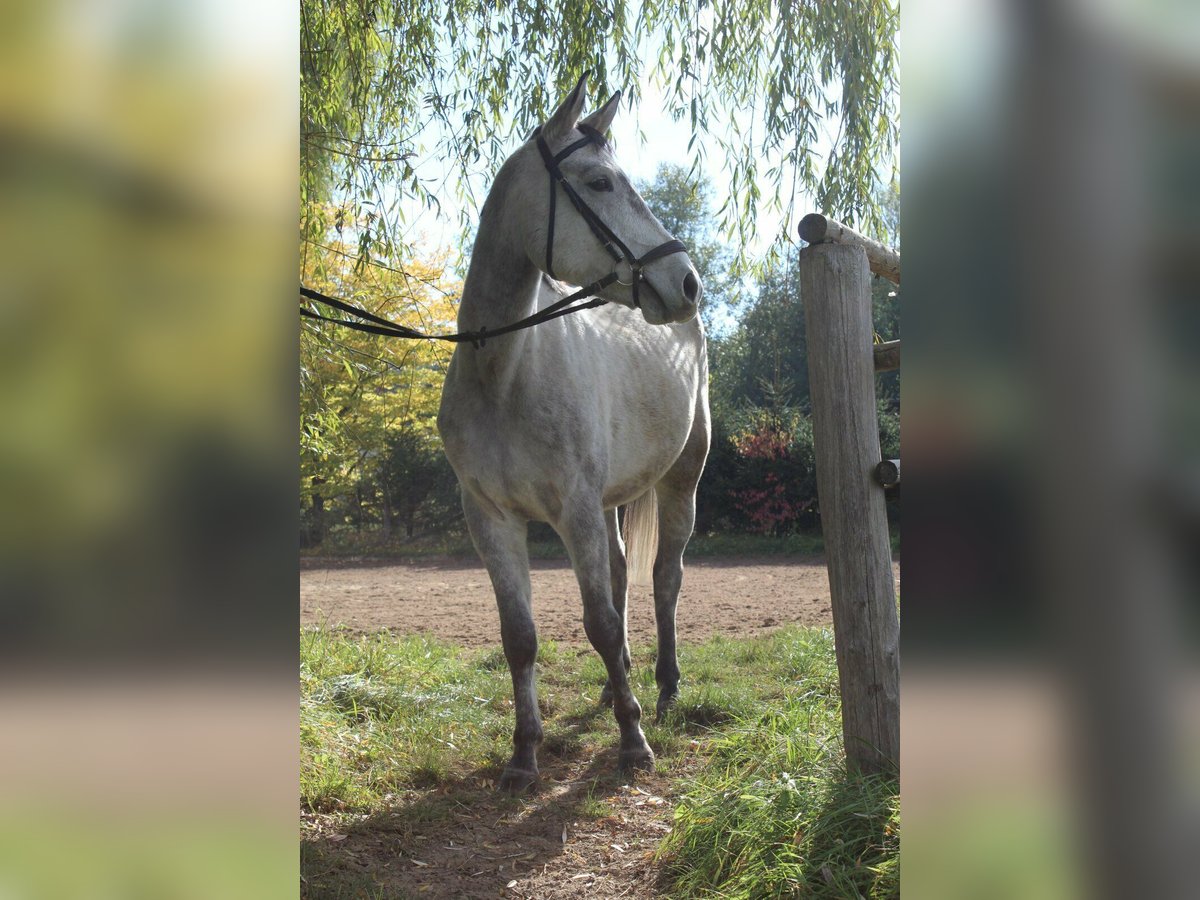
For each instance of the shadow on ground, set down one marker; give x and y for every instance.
(463, 839)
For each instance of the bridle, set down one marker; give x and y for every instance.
(584, 298)
(616, 248)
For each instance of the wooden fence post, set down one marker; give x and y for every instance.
(836, 293)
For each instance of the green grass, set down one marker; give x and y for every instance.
(774, 814)
(382, 715)
(764, 805)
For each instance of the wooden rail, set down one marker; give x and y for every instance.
(887, 356)
(887, 473)
(820, 229)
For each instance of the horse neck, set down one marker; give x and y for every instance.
(501, 287)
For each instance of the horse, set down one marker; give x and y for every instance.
(567, 421)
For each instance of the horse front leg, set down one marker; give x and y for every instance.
(619, 577)
(502, 547)
(585, 534)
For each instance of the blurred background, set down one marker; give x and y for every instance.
(147, 550)
(1051, 704)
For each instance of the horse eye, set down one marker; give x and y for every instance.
(601, 184)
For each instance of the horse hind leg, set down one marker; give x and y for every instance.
(620, 585)
(584, 531)
(502, 547)
(677, 515)
(676, 519)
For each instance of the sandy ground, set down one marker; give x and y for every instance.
(453, 599)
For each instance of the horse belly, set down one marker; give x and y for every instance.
(646, 442)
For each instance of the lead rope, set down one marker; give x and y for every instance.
(373, 324)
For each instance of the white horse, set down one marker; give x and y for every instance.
(564, 422)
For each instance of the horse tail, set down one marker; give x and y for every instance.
(641, 537)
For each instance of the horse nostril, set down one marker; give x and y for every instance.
(691, 287)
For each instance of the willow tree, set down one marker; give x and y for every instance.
(388, 85)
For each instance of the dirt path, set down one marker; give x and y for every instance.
(453, 599)
(586, 832)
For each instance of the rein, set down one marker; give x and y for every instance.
(376, 325)
(617, 249)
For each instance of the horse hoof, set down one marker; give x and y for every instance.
(517, 781)
(664, 705)
(606, 695)
(641, 759)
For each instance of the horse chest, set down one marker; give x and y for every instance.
(526, 458)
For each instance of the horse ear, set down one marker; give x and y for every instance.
(602, 118)
(562, 123)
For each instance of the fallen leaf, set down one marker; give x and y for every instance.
(564, 834)
(417, 862)
(512, 884)
(337, 837)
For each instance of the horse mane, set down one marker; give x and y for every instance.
(587, 130)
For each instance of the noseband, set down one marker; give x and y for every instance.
(616, 248)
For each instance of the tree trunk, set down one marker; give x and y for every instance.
(318, 512)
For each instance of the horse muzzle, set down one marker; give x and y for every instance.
(670, 294)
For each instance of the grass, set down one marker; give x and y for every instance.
(775, 814)
(382, 715)
(764, 806)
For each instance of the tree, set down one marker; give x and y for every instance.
(387, 85)
(764, 362)
(765, 359)
(416, 482)
(359, 392)
(683, 203)
(760, 472)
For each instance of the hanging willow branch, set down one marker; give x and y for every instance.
(761, 78)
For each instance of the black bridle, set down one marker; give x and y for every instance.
(616, 248)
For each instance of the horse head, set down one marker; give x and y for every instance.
(586, 220)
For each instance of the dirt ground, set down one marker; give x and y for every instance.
(452, 599)
(551, 845)
(544, 847)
